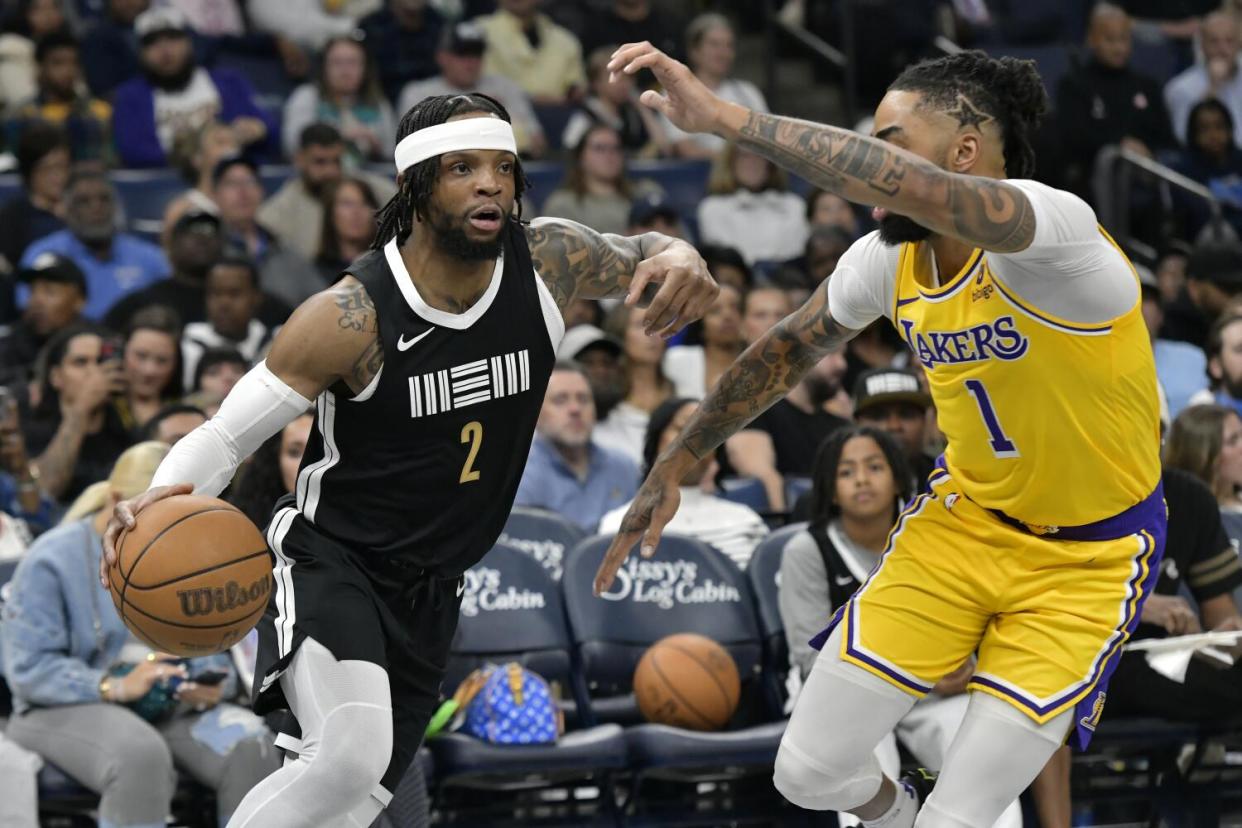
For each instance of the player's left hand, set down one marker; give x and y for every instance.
(686, 290)
(653, 507)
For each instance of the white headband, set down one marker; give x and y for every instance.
(467, 133)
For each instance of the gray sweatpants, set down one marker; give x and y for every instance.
(19, 787)
(130, 763)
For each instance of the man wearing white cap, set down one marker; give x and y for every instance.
(427, 363)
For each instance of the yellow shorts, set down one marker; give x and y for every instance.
(1046, 615)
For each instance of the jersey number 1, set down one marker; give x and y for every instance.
(1001, 445)
(472, 433)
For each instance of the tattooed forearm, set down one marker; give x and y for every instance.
(983, 211)
(764, 373)
(578, 262)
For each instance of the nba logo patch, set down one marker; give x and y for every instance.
(950, 500)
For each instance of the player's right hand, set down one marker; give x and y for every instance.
(686, 101)
(123, 513)
(653, 507)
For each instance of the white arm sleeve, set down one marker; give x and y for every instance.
(860, 290)
(260, 405)
(1070, 269)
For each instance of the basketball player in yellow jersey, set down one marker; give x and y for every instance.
(1045, 523)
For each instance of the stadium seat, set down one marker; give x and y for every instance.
(544, 535)
(684, 182)
(795, 487)
(764, 571)
(686, 587)
(553, 118)
(747, 491)
(512, 611)
(543, 177)
(145, 194)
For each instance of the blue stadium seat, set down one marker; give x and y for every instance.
(795, 487)
(512, 611)
(687, 587)
(684, 182)
(543, 177)
(145, 194)
(10, 185)
(553, 118)
(544, 535)
(764, 571)
(747, 491)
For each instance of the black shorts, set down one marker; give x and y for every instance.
(375, 610)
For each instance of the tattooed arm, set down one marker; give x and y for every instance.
(985, 212)
(576, 262)
(764, 373)
(334, 335)
(331, 337)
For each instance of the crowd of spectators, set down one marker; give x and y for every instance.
(116, 333)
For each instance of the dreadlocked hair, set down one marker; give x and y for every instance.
(416, 184)
(1008, 89)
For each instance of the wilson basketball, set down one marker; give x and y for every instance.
(688, 681)
(192, 577)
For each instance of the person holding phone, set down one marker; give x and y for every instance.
(27, 510)
(72, 428)
(90, 699)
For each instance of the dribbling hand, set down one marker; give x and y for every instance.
(653, 507)
(123, 513)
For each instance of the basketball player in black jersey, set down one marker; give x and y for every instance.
(427, 364)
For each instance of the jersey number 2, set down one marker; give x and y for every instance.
(472, 433)
(1001, 445)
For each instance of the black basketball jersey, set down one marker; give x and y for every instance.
(843, 579)
(424, 463)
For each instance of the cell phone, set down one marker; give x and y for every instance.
(210, 678)
(109, 350)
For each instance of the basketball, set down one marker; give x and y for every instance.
(689, 681)
(192, 577)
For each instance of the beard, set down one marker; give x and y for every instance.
(895, 229)
(96, 234)
(820, 389)
(175, 82)
(1232, 386)
(450, 236)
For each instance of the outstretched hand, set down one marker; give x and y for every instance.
(686, 101)
(123, 514)
(653, 507)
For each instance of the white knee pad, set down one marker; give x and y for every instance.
(827, 758)
(812, 785)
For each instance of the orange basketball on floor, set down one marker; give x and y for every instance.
(688, 681)
(192, 577)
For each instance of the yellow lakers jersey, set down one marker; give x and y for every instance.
(1053, 423)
